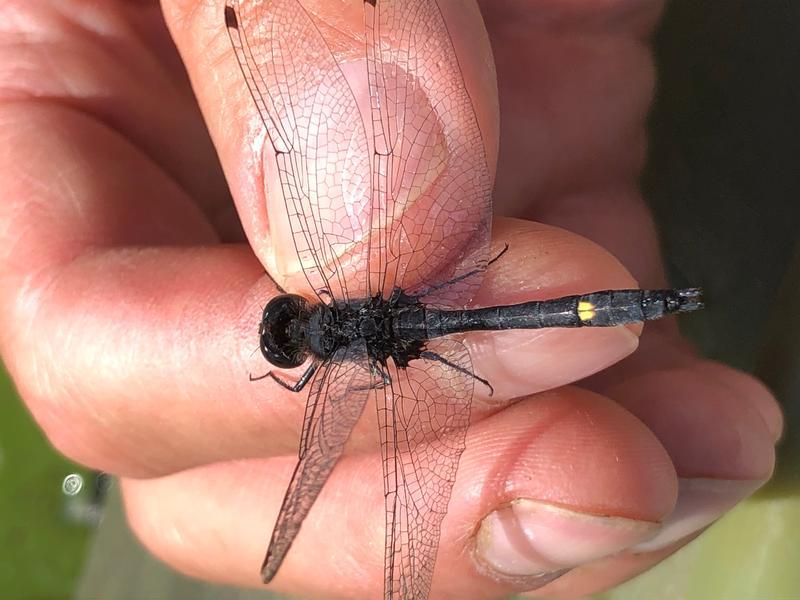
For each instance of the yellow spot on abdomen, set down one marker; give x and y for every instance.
(585, 310)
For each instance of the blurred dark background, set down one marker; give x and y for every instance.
(724, 183)
(723, 177)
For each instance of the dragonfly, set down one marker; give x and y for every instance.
(389, 207)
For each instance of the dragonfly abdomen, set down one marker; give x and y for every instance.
(607, 308)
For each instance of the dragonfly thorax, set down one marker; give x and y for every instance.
(291, 328)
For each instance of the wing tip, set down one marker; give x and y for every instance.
(231, 21)
(269, 568)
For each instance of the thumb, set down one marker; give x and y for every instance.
(307, 62)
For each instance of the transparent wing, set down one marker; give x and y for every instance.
(432, 186)
(423, 418)
(338, 393)
(318, 135)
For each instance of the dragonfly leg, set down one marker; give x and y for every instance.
(385, 379)
(463, 276)
(499, 254)
(300, 384)
(438, 358)
(377, 369)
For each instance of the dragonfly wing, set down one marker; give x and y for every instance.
(423, 418)
(338, 393)
(318, 137)
(431, 189)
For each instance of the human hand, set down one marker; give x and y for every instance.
(130, 327)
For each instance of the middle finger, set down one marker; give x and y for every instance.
(581, 472)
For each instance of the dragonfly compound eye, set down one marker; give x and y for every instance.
(282, 331)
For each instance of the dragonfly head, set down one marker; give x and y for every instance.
(283, 331)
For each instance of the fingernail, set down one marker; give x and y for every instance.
(529, 538)
(700, 503)
(520, 366)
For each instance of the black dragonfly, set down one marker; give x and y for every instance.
(375, 206)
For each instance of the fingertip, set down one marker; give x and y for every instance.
(523, 362)
(555, 481)
(751, 390)
(710, 430)
(574, 448)
(544, 261)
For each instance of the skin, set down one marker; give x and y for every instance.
(128, 326)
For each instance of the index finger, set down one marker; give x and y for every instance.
(154, 347)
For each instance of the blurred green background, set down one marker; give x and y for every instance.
(41, 552)
(724, 182)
